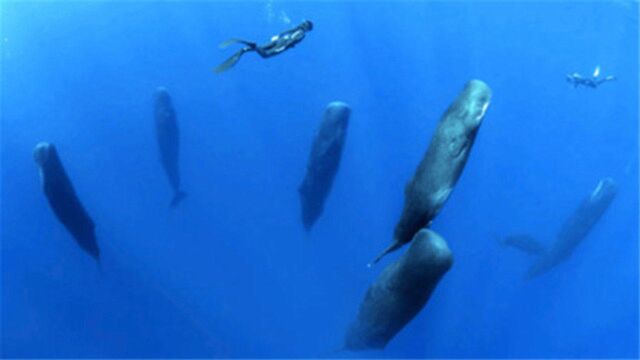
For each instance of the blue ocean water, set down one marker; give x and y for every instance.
(231, 272)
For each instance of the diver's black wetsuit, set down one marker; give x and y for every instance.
(592, 82)
(278, 44)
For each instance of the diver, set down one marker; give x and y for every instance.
(593, 82)
(278, 44)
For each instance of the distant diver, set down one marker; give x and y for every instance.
(168, 136)
(278, 44)
(63, 199)
(593, 82)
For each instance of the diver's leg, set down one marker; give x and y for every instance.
(263, 53)
(603, 80)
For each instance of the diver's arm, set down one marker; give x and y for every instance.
(290, 31)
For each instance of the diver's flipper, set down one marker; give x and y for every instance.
(230, 62)
(236, 41)
(393, 247)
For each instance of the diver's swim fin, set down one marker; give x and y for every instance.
(236, 41)
(229, 62)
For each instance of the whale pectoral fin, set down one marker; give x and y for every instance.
(393, 247)
(524, 243)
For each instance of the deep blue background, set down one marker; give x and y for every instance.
(231, 272)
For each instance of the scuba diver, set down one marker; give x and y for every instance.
(593, 82)
(278, 44)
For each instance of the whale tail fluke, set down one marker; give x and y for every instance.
(393, 247)
(525, 243)
(177, 198)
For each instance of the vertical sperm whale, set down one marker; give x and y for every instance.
(63, 200)
(572, 232)
(400, 292)
(442, 164)
(168, 136)
(324, 161)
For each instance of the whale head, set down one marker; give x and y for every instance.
(338, 109)
(42, 153)
(162, 95)
(477, 97)
(605, 188)
(338, 113)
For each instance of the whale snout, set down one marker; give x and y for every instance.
(606, 187)
(41, 153)
(608, 182)
(476, 97)
(339, 107)
(339, 111)
(161, 94)
(429, 250)
(478, 89)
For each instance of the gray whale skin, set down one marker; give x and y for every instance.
(323, 162)
(63, 200)
(573, 231)
(442, 164)
(168, 137)
(400, 292)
